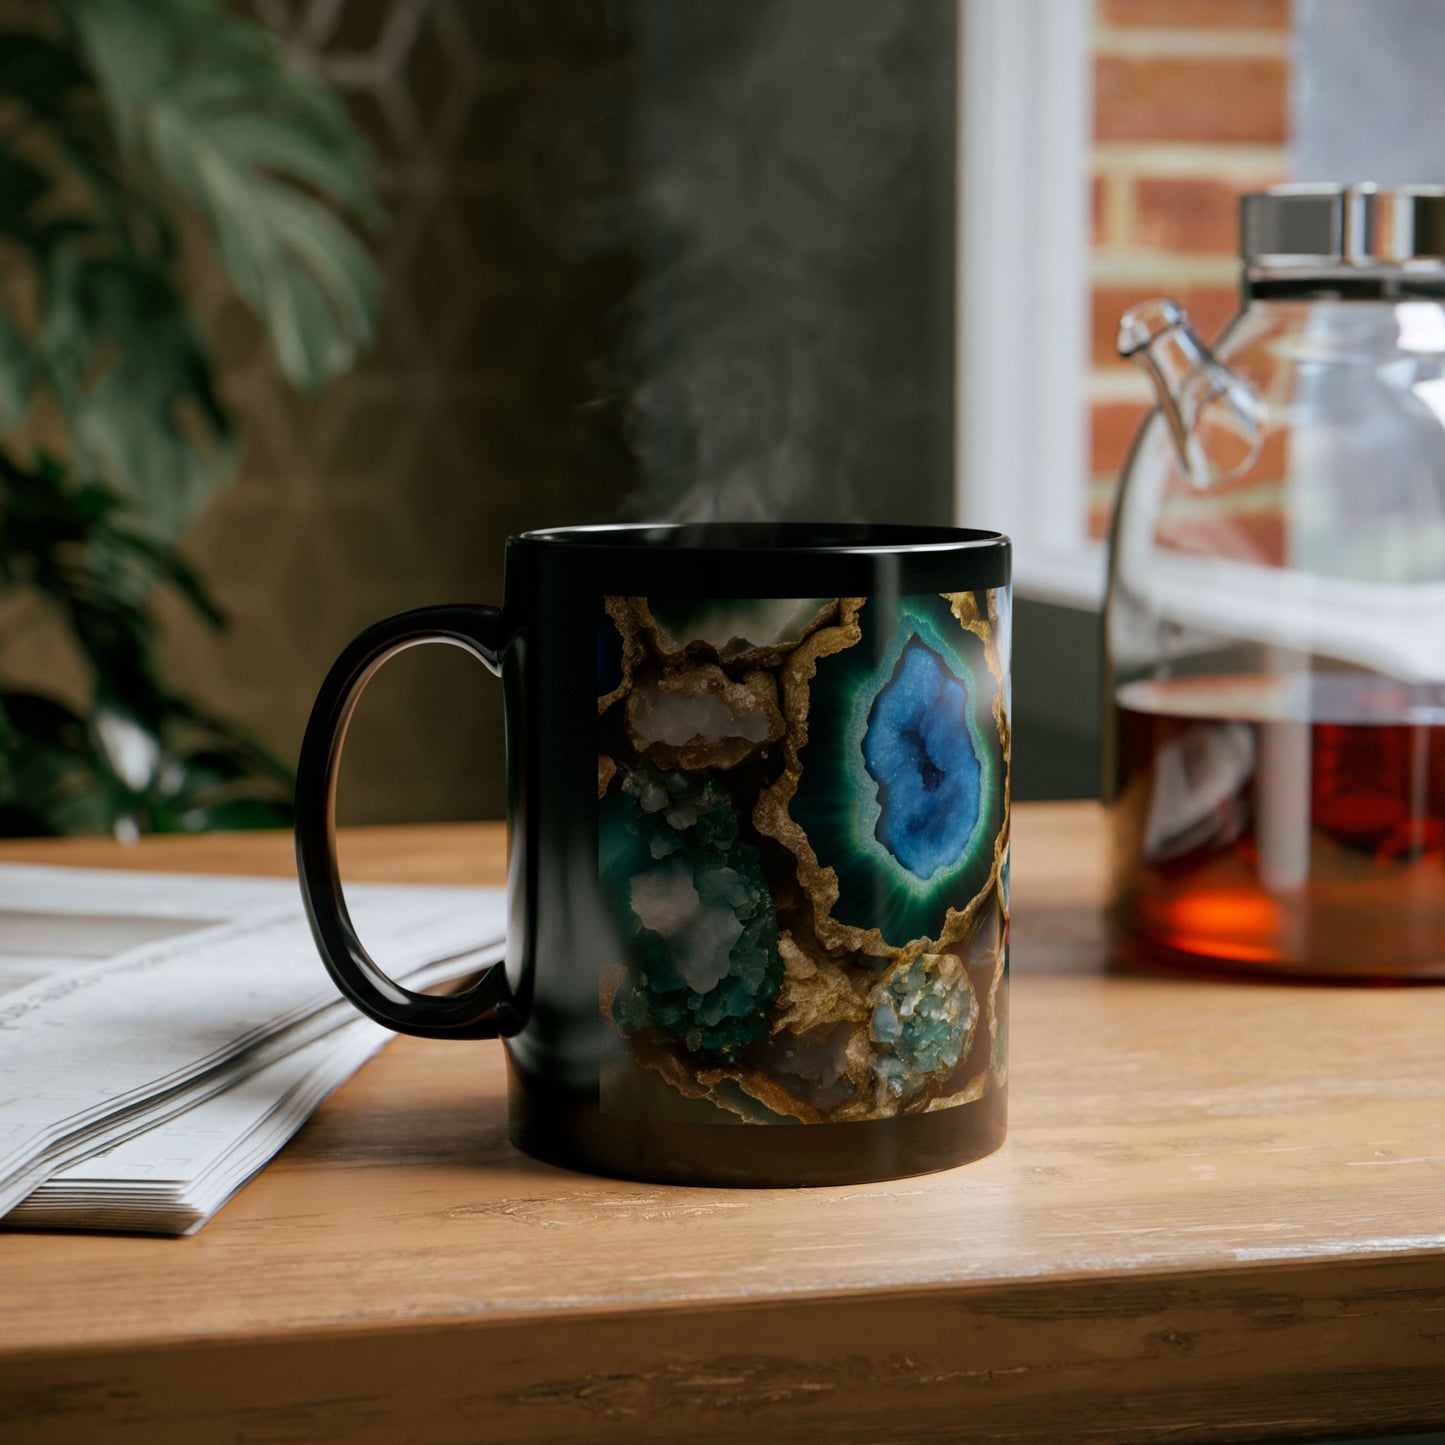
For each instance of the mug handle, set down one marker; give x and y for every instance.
(477, 1012)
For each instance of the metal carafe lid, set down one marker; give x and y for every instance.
(1328, 227)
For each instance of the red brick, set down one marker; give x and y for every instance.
(1112, 428)
(1272, 464)
(1188, 213)
(1197, 14)
(1244, 536)
(1268, 469)
(1196, 98)
(1209, 307)
(1101, 515)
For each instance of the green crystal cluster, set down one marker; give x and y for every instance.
(918, 1027)
(690, 898)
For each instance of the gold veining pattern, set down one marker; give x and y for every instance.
(833, 972)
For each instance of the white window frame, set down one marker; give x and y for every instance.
(1021, 445)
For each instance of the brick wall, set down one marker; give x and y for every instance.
(1190, 110)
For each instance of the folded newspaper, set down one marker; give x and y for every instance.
(161, 1036)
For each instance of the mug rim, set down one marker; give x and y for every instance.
(820, 539)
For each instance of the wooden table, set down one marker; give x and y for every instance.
(1220, 1213)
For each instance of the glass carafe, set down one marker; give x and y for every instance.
(1275, 626)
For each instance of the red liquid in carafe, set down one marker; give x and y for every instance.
(1281, 825)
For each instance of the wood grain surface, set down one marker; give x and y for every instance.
(1220, 1214)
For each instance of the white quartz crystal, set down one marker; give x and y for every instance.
(699, 936)
(675, 718)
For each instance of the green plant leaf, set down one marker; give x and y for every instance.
(17, 370)
(241, 746)
(22, 186)
(263, 151)
(74, 547)
(235, 814)
(134, 377)
(54, 95)
(169, 566)
(60, 773)
(38, 72)
(49, 782)
(112, 117)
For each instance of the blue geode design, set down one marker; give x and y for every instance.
(902, 781)
(919, 750)
(689, 897)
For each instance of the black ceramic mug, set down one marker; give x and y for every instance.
(758, 877)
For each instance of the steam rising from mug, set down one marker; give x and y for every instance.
(789, 338)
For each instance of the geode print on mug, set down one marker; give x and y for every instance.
(758, 849)
(803, 844)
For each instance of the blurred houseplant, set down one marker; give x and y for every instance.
(124, 125)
